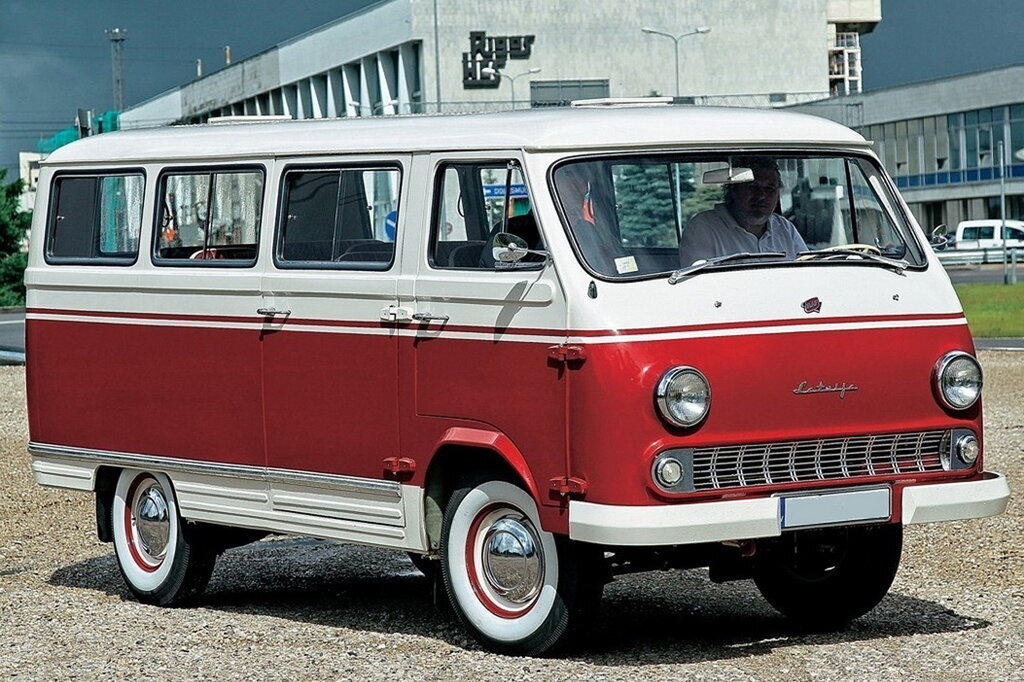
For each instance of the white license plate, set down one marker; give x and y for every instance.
(838, 507)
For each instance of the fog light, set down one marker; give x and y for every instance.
(967, 449)
(669, 472)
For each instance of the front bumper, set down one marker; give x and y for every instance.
(682, 524)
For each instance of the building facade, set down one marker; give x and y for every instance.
(426, 56)
(941, 141)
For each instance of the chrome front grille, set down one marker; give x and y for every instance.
(827, 459)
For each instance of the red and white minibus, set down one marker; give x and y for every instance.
(532, 349)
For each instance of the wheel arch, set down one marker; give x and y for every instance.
(465, 454)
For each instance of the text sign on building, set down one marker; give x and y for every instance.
(494, 51)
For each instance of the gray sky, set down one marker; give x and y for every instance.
(54, 55)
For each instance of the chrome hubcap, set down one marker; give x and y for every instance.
(513, 559)
(152, 521)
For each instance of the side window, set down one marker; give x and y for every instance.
(209, 216)
(873, 224)
(342, 218)
(95, 219)
(987, 232)
(470, 209)
(1014, 233)
(970, 233)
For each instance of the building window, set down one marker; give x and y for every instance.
(561, 93)
(339, 218)
(209, 218)
(95, 219)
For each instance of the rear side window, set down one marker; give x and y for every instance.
(209, 218)
(339, 218)
(95, 219)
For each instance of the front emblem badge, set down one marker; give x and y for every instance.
(811, 305)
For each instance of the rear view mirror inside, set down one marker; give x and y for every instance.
(721, 176)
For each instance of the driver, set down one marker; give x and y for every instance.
(745, 222)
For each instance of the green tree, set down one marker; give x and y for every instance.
(14, 223)
(646, 202)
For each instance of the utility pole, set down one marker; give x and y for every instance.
(117, 36)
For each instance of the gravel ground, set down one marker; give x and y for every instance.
(291, 608)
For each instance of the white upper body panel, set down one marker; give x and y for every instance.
(538, 138)
(531, 130)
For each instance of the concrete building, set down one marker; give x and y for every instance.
(28, 171)
(940, 140)
(425, 56)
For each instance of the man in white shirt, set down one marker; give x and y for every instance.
(745, 222)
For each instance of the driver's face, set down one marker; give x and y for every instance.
(753, 202)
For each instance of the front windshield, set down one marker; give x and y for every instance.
(643, 215)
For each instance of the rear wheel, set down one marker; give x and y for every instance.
(162, 560)
(825, 578)
(515, 587)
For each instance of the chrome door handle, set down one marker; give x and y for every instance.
(427, 317)
(271, 312)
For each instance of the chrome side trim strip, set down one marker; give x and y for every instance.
(332, 481)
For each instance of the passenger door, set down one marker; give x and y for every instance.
(330, 373)
(481, 333)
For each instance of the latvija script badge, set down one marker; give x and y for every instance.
(841, 388)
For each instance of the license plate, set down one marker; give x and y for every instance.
(837, 507)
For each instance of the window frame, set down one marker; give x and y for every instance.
(51, 216)
(157, 261)
(437, 197)
(282, 197)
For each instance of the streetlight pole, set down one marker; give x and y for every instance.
(490, 71)
(675, 39)
(1002, 208)
(437, 61)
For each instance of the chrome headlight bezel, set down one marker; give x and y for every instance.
(942, 367)
(663, 396)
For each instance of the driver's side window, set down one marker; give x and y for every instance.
(470, 209)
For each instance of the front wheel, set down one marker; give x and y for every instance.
(162, 561)
(825, 578)
(515, 587)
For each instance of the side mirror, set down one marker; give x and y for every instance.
(939, 239)
(509, 249)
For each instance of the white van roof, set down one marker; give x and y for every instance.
(553, 129)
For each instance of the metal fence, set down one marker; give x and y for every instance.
(966, 258)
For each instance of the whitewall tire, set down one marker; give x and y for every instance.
(160, 560)
(513, 585)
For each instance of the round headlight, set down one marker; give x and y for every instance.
(958, 380)
(683, 396)
(967, 449)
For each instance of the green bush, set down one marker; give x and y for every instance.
(12, 279)
(14, 223)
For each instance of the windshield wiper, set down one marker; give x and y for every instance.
(897, 265)
(697, 266)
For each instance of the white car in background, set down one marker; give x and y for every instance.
(987, 234)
